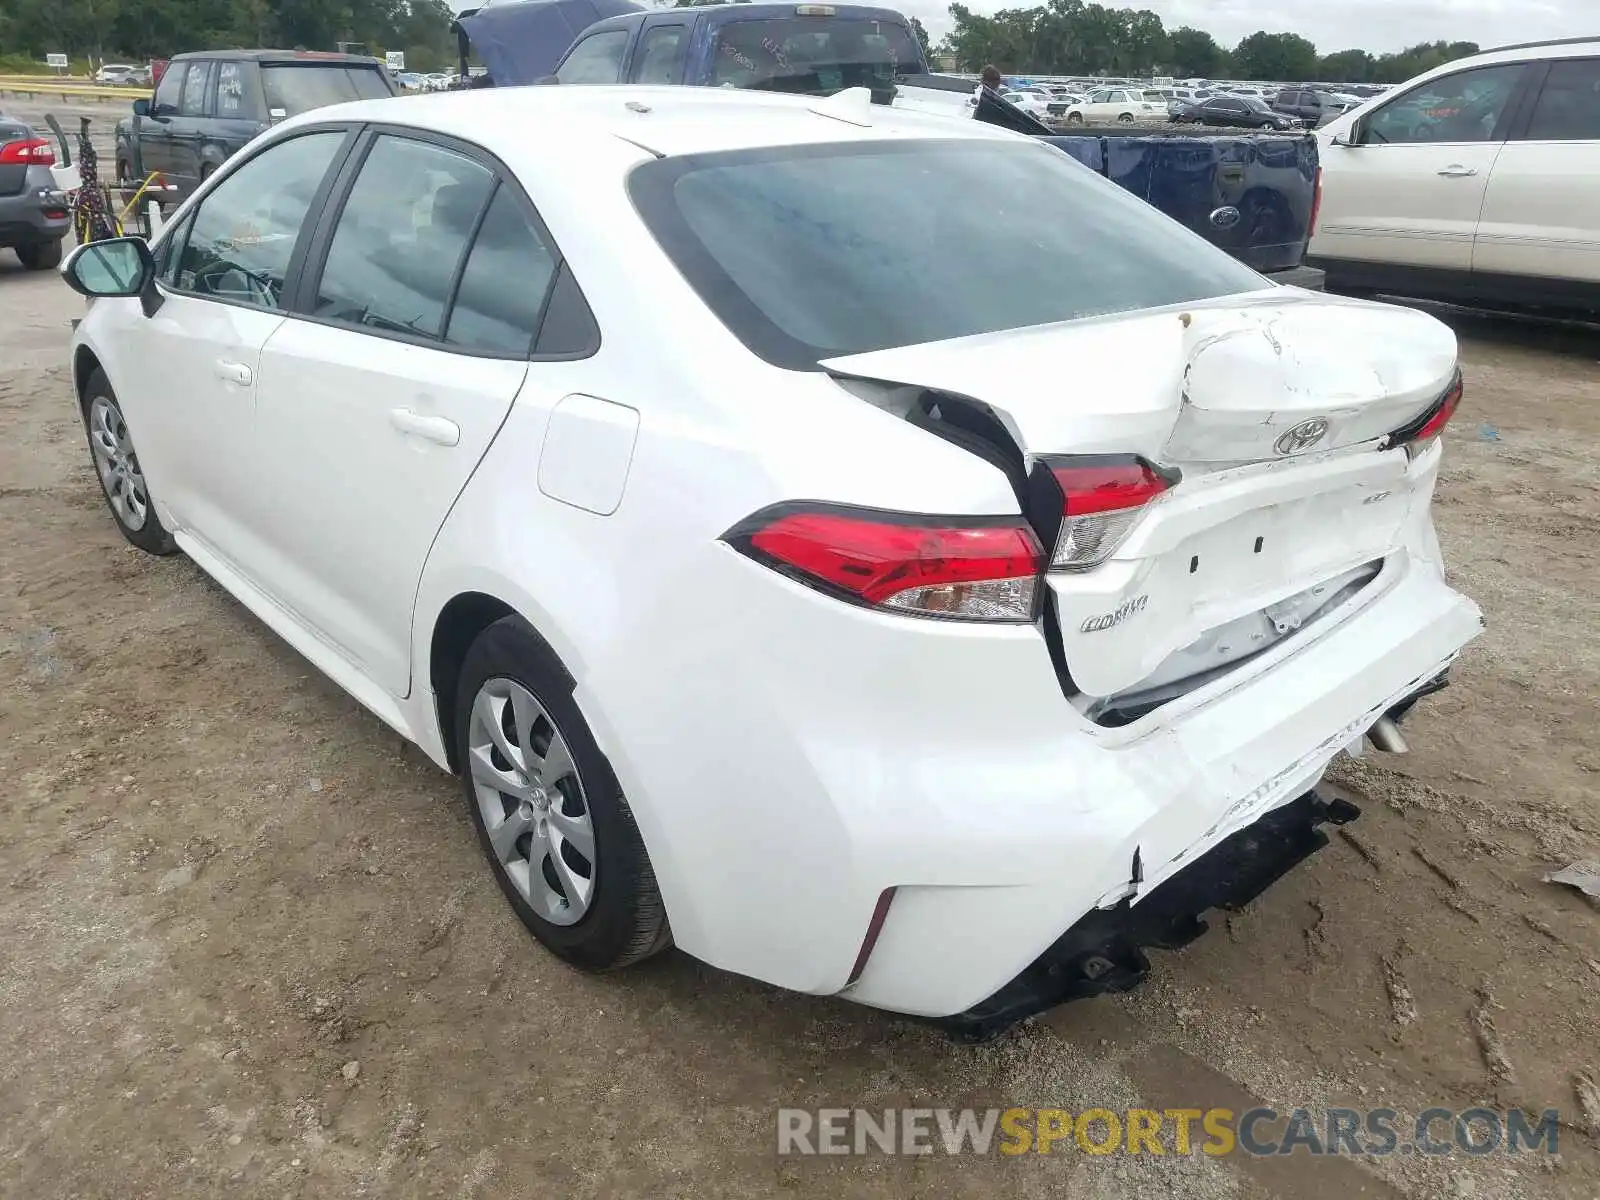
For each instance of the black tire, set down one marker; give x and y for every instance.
(151, 536)
(40, 256)
(625, 921)
(1124, 118)
(1074, 118)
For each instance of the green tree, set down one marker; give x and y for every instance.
(1347, 66)
(921, 34)
(1194, 54)
(1285, 57)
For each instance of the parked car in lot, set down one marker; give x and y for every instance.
(122, 74)
(33, 211)
(1109, 105)
(1238, 112)
(807, 629)
(1034, 103)
(209, 104)
(1311, 108)
(1474, 182)
(809, 49)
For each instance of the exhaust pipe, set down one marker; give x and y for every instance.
(1386, 736)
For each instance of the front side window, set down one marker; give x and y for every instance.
(1569, 106)
(230, 90)
(596, 59)
(810, 252)
(1464, 107)
(813, 56)
(401, 236)
(659, 58)
(244, 234)
(170, 90)
(194, 90)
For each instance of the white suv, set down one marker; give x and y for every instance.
(1475, 181)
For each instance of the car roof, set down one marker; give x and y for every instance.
(294, 56)
(665, 121)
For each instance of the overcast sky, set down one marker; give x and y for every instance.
(1376, 25)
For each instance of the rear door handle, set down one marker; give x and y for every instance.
(434, 429)
(1457, 171)
(234, 372)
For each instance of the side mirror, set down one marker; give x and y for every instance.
(1352, 137)
(115, 267)
(545, 80)
(141, 107)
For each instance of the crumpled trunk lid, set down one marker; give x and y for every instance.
(1260, 402)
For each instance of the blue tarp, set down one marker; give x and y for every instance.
(521, 42)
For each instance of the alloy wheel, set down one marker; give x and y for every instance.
(532, 801)
(117, 464)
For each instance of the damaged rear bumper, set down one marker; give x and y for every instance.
(1105, 950)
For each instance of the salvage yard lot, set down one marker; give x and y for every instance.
(250, 947)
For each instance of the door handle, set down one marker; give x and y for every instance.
(1457, 171)
(434, 429)
(234, 372)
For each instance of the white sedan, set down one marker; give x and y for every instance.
(801, 553)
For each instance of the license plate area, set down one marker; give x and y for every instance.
(1122, 621)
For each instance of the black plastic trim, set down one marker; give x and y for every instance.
(1105, 950)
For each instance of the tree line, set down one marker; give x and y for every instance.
(1069, 37)
(138, 30)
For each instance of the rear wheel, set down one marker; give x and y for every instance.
(40, 256)
(550, 815)
(1124, 118)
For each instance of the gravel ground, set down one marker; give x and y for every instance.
(250, 947)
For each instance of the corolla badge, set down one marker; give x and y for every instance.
(1302, 437)
(1225, 217)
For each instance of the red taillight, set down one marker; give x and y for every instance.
(1102, 497)
(958, 568)
(34, 152)
(1417, 435)
(1316, 205)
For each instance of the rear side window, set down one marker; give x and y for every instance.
(194, 90)
(503, 287)
(659, 58)
(1569, 106)
(812, 55)
(810, 252)
(297, 88)
(401, 238)
(230, 90)
(596, 59)
(241, 239)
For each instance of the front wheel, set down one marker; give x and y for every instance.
(550, 815)
(1074, 118)
(40, 256)
(117, 464)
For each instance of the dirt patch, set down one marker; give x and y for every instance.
(250, 947)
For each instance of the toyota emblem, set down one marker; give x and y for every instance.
(1302, 437)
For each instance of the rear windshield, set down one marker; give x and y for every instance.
(815, 251)
(300, 87)
(812, 55)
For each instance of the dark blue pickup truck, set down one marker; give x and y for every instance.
(1254, 195)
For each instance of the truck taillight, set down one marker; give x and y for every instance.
(1419, 434)
(1102, 497)
(33, 152)
(1316, 205)
(954, 568)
